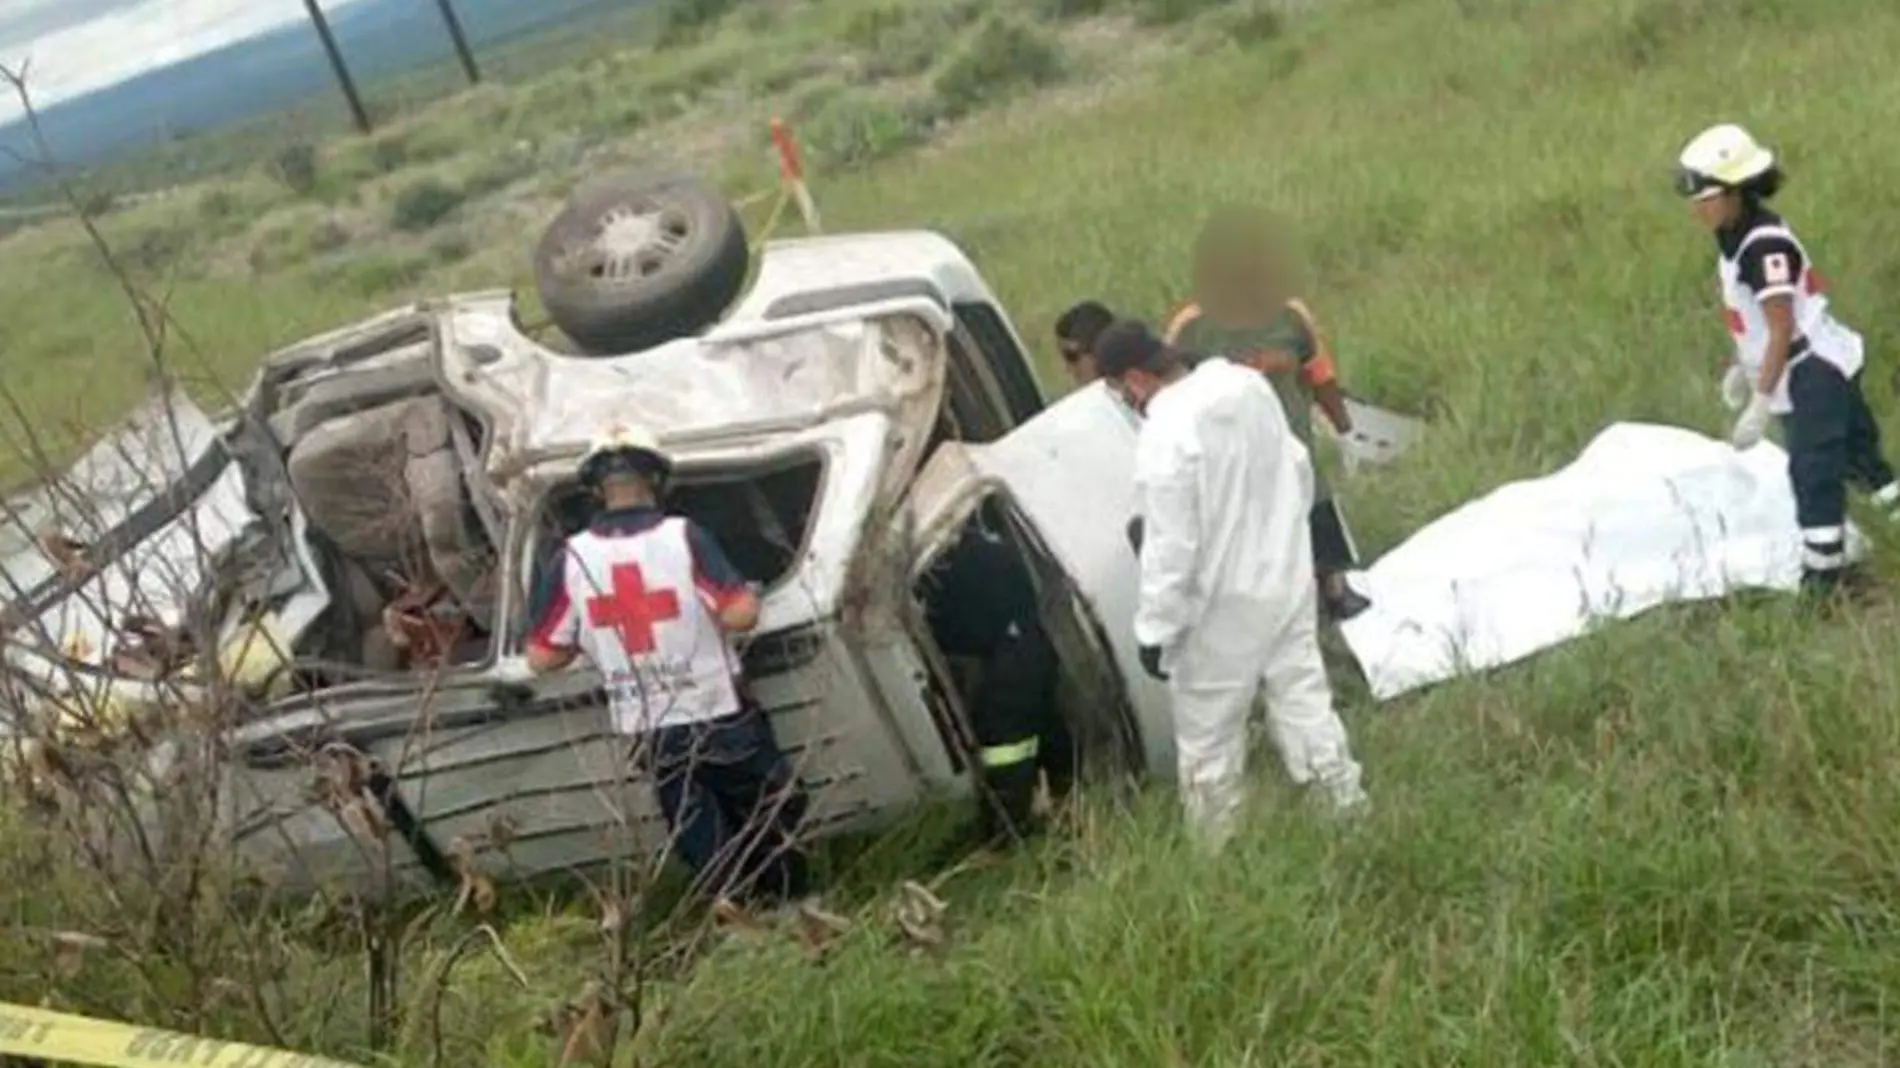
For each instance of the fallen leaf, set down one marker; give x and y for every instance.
(501, 832)
(365, 817)
(483, 891)
(613, 917)
(919, 915)
(587, 1034)
(68, 960)
(818, 929)
(462, 852)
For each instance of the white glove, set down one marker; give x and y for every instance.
(1752, 424)
(1736, 388)
(511, 669)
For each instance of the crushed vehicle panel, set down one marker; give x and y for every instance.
(411, 474)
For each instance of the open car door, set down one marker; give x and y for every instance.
(1064, 485)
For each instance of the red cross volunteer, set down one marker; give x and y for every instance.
(1793, 358)
(666, 662)
(653, 602)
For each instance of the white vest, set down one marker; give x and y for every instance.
(1827, 338)
(649, 628)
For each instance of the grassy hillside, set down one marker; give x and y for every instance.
(1670, 845)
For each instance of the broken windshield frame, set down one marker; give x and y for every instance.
(806, 463)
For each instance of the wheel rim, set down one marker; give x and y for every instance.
(629, 243)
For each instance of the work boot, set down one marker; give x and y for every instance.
(1831, 582)
(1834, 588)
(1347, 605)
(1340, 600)
(1007, 803)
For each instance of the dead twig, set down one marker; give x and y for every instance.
(438, 983)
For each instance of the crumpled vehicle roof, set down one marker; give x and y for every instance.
(722, 384)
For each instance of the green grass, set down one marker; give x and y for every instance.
(1672, 844)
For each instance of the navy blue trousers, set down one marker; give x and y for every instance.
(734, 806)
(1833, 442)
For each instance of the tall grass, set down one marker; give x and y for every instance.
(1671, 844)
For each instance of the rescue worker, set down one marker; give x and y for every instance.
(1227, 599)
(651, 600)
(1244, 308)
(1792, 357)
(1076, 331)
(983, 606)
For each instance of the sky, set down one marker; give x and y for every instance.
(80, 45)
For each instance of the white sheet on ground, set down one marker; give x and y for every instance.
(1644, 516)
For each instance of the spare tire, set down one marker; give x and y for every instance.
(632, 263)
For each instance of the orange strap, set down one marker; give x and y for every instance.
(1178, 322)
(1317, 371)
(791, 165)
(1320, 369)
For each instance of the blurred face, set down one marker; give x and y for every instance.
(1715, 209)
(1136, 389)
(1240, 290)
(1079, 361)
(625, 489)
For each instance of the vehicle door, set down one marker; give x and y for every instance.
(992, 385)
(1066, 480)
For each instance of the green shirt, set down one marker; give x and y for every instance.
(1286, 333)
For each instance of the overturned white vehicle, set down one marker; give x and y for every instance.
(377, 512)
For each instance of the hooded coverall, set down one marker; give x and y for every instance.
(1227, 589)
(1291, 331)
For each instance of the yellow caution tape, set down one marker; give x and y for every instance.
(56, 1036)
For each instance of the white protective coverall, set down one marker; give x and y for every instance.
(1228, 592)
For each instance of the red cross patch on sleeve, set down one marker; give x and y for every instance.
(1774, 269)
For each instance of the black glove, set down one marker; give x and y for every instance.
(1151, 662)
(1134, 535)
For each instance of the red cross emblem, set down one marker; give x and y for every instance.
(631, 609)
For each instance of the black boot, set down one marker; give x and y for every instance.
(1339, 600)
(1007, 812)
(1833, 586)
(1347, 605)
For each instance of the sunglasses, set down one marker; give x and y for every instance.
(1071, 351)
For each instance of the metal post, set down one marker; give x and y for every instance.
(461, 41)
(336, 64)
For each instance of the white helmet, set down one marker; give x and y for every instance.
(625, 450)
(1720, 158)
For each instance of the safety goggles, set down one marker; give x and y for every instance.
(627, 462)
(1696, 185)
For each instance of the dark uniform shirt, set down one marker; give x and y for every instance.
(982, 595)
(1770, 266)
(708, 556)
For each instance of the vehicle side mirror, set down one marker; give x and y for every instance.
(1134, 534)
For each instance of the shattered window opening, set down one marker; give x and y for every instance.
(762, 518)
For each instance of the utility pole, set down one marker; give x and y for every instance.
(461, 41)
(336, 64)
